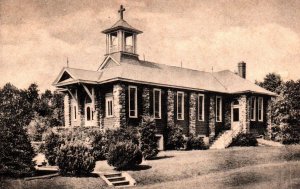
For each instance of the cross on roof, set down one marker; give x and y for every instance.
(122, 9)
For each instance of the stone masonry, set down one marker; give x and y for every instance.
(170, 107)
(212, 117)
(192, 113)
(67, 112)
(99, 107)
(269, 117)
(244, 104)
(119, 105)
(146, 101)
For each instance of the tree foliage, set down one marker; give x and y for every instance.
(272, 82)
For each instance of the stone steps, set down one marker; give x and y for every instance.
(223, 140)
(121, 179)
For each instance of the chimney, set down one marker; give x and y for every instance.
(242, 69)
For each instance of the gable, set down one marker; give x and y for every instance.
(65, 76)
(108, 63)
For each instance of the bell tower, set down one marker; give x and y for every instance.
(121, 37)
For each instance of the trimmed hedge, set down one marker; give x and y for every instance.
(124, 155)
(244, 140)
(76, 159)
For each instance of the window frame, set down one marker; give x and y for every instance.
(220, 109)
(159, 103)
(135, 102)
(253, 110)
(261, 114)
(203, 103)
(182, 106)
(109, 99)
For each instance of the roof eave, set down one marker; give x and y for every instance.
(121, 27)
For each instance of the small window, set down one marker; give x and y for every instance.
(75, 113)
(252, 108)
(88, 113)
(132, 101)
(218, 109)
(180, 105)
(260, 109)
(109, 106)
(157, 103)
(201, 107)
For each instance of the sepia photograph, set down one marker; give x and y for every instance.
(149, 94)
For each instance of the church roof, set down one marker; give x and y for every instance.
(145, 72)
(121, 24)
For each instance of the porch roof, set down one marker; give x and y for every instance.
(164, 75)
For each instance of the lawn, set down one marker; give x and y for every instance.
(246, 167)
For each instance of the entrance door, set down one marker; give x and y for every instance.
(89, 115)
(235, 116)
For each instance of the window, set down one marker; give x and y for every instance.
(132, 101)
(109, 106)
(88, 113)
(218, 109)
(236, 114)
(75, 113)
(252, 108)
(157, 103)
(180, 105)
(260, 109)
(201, 107)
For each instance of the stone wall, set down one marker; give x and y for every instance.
(212, 117)
(170, 107)
(146, 101)
(67, 110)
(119, 104)
(192, 113)
(99, 107)
(244, 104)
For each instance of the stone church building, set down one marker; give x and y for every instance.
(125, 88)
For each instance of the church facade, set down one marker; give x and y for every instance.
(125, 88)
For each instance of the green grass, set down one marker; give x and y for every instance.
(238, 167)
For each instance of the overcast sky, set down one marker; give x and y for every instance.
(38, 36)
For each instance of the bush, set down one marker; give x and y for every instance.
(244, 140)
(52, 144)
(175, 139)
(122, 134)
(16, 152)
(99, 144)
(285, 134)
(195, 143)
(124, 155)
(37, 127)
(148, 139)
(76, 159)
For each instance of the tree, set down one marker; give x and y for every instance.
(148, 139)
(272, 82)
(16, 151)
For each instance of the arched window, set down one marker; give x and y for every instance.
(88, 113)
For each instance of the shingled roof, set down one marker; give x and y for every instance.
(163, 75)
(121, 24)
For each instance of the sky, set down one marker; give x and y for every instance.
(37, 37)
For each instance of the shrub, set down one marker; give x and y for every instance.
(122, 134)
(285, 134)
(37, 127)
(195, 143)
(148, 139)
(175, 139)
(52, 145)
(124, 155)
(16, 152)
(244, 140)
(99, 144)
(76, 159)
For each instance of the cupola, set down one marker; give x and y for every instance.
(121, 37)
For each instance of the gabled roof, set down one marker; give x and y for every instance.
(121, 24)
(163, 75)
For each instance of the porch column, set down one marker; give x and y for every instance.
(146, 101)
(212, 117)
(170, 108)
(269, 117)
(119, 105)
(244, 103)
(67, 110)
(192, 113)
